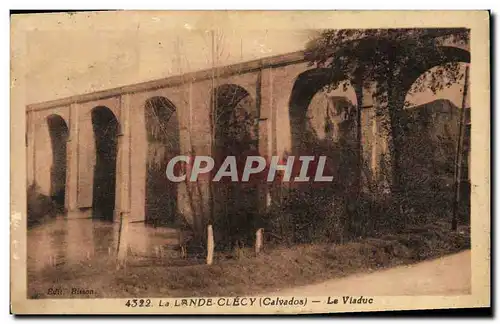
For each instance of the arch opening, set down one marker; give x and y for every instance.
(59, 133)
(436, 58)
(323, 122)
(432, 127)
(106, 130)
(162, 128)
(236, 204)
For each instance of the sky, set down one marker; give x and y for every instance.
(66, 55)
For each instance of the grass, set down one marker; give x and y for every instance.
(272, 269)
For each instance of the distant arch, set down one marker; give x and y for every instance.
(162, 129)
(58, 130)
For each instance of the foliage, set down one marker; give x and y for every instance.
(386, 56)
(392, 63)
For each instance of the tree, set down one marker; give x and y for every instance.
(227, 119)
(392, 60)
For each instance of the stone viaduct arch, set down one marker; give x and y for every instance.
(306, 86)
(434, 122)
(322, 124)
(105, 130)
(435, 57)
(163, 141)
(59, 132)
(236, 134)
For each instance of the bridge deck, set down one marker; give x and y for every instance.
(224, 71)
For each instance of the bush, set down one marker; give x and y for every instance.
(39, 206)
(322, 215)
(304, 216)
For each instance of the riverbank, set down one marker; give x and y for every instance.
(273, 269)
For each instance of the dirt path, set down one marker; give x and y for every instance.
(450, 275)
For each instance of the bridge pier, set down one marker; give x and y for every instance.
(376, 170)
(72, 161)
(266, 116)
(123, 175)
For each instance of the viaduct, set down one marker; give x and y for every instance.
(105, 152)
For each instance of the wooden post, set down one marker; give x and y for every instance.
(210, 245)
(258, 240)
(121, 252)
(182, 244)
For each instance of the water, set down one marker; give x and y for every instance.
(78, 239)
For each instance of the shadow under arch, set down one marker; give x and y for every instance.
(106, 130)
(59, 133)
(163, 138)
(236, 134)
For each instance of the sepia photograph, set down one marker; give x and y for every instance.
(249, 162)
